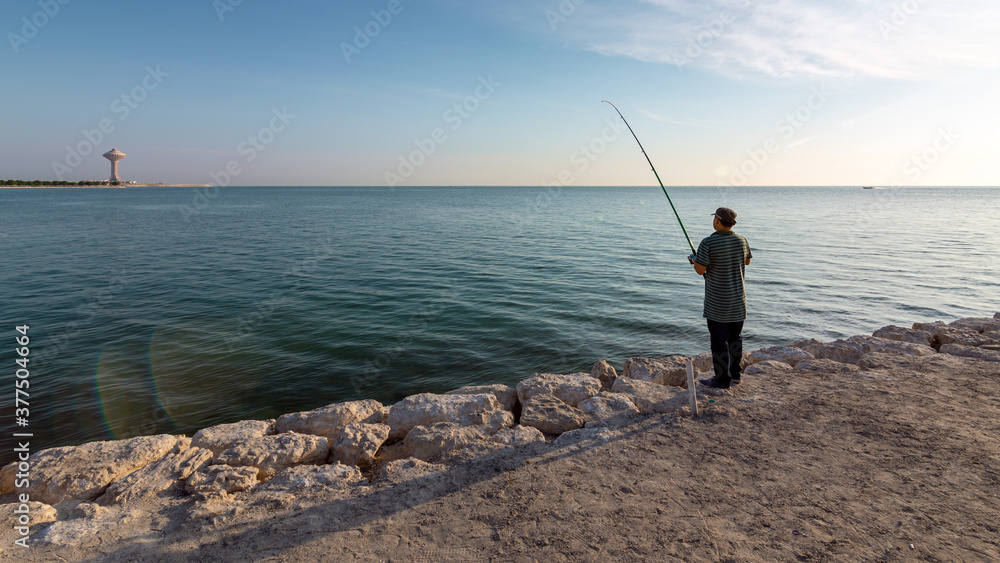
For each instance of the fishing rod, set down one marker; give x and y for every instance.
(657, 176)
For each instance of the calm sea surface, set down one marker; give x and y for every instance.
(147, 319)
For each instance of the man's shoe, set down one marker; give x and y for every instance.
(735, 381)
(713, 383)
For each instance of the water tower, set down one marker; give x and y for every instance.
(114, 155)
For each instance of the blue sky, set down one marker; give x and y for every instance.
(443, 92)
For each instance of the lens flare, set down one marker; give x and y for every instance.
(128, 407)
(197, 378)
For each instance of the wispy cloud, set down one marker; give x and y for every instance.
(895, 39)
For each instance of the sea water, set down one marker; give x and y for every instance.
(162, 310)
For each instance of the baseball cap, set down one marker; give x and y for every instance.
(725, 214)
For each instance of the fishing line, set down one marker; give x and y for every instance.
(657, 176)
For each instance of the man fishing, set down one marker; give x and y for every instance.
(722, 258)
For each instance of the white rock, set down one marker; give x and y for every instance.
(768, 367)
(550, 414)
(90, 521)
(84, 471)
(788, 354)
(971, 352)
(518, 435)
(505, 394)
(424, 409)
(271, 454)
(588, 436)
(872, 344)
(221, 480)
(978, 324)
(605, 373)
(663, 371)
(358, 443)
(402, 470)
(431, 441)
(221, 437)
(824, 365)
(31, 514)
(311, 478)
(570, 389)
(839, 350)
(651, 397)
(607, 405)
(157, 477)
(893, 332)
(330, 421)
(703, 362)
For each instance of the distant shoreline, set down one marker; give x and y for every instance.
(109, 186)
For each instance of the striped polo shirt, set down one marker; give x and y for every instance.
(724, 253)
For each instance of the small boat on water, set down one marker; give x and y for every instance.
(868, 187)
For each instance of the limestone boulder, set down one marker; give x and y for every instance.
(872, 344)
(330, 421)
(407, 469)
(971, 352)
(83, 472)
(358, 443)
(550, 414)
(314, 478)
(89, 521)
(670, 371)
(651, 397)
(825, 366)
(271, 454)
(583, 437)
(768, 367)
(434, 440)
(36, 514)
(424, 409)
(703, 362)
(788, 354)
(839, 351)
(570, 389)
(220, 481)
(505, 394)
(162, 475)
(518, 435)
(893, 332)
(978, 324)
(605, 373)
(607, 405)
(221, 437)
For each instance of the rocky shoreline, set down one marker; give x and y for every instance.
(74, 495)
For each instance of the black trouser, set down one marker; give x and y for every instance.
(727, 349)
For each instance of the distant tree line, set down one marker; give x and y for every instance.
(56, 183)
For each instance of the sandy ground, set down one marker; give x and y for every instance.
(898, 462)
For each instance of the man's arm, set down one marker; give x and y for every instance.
(700, 270)
(748, 262)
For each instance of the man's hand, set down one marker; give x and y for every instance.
(691, 259)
